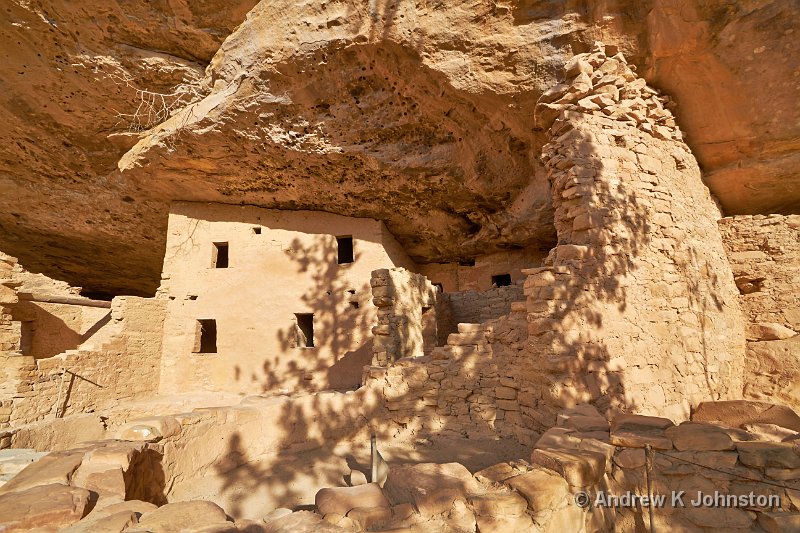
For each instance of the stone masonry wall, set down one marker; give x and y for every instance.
(402, 330)
(465, 388)
(474, 307)
(764, 252)
(120, 363)
(11, 361)
(637, 309)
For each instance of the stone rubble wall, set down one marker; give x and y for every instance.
(400, 297)
(764, 252)
(586, 458)
(637, 309)
(11, 365)
(474, 307)
(465, 388)
(123, 365)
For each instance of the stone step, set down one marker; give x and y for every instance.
(466, 339)
(470, 328)
(450, 352)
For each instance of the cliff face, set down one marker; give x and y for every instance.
(416, 113)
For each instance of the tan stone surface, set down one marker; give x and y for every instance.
(736, 413)
(53, 468)
(580, 468)
(769, 454)
(431, 488)
(112, 523)
(764, 252)
(543, 489)
(779, 522)
(698, 437)
(302, 522)
(289, 267)
(45, 506)
(637, 431)
(178, 516)
(340, 500)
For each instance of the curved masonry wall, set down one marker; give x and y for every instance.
(639, 310)
(636, 309)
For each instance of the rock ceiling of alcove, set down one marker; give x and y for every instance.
(419, 114)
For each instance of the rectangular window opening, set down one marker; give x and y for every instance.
(344, 250)
(501, 280)
(305, 330)
(206, 337)
(257, 231)
(219, 257)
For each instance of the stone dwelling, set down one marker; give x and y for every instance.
(260, 299)
(529, 271)
(252, 300)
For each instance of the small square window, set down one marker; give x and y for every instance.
(257, 230)
(219, 258)
(305, 330)
(501, 280)
(344, 250)
(205, 336)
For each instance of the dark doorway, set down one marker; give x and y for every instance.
(344, 247)
(305, 330)
(501, 280)
(206, 340)
(220, 257)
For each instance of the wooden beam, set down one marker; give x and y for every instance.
(68, 300)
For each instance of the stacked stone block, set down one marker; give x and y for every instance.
(464, 388)
(474, 307)
(400, 297)
(125, 366)
(764, 252)
(636, 308)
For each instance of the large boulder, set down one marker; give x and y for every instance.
(51, 506)
(737, 413)
(180, 516)
(430, 487)
(340, 500)
(697, 436)
(637, 431)
(302, 522)
(53, 468)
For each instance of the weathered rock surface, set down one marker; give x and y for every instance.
(341, 500)
(413, 114)
(47, 506)
(179, 516)
(431, 488)
(737, 413)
